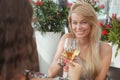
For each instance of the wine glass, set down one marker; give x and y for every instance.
(71, 50)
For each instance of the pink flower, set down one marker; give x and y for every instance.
(68, 4)
(102, 6)
(96, 0)
(38, 3)
(114, 16)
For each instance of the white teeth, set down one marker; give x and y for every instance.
(80, 31)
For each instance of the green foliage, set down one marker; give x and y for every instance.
(114, 34)
(111, 32)
(50, 16)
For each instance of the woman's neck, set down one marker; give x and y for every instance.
(84, 46)
(84, 42)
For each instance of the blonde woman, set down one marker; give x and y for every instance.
(95, 56)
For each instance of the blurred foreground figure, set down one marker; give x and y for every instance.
(17, 45)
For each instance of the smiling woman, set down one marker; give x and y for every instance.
(94, 58)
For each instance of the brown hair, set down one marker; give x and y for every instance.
(17, 45)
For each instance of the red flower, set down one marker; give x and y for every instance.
(38, 3)
(101, 24)
(108, 26)
(104, 32)
(102, 6)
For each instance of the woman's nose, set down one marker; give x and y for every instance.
(78, 26)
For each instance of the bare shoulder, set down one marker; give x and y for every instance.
(67, 35)
(106, 49)
(106, 45)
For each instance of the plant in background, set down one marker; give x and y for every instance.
(111, 32)
(50, 17)
(105, 31)
(114, 34)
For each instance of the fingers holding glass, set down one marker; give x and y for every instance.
(71, 50)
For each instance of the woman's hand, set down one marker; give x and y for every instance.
(62, 61)
(74, 70)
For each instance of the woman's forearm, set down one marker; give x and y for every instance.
(55, 70)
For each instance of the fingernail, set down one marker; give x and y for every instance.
(66, 60)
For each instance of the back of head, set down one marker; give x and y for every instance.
(17, 46)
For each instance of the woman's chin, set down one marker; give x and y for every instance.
(80, 36)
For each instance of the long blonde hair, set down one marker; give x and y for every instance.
(93, 58)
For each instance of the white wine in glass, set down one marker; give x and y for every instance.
(71, 48)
